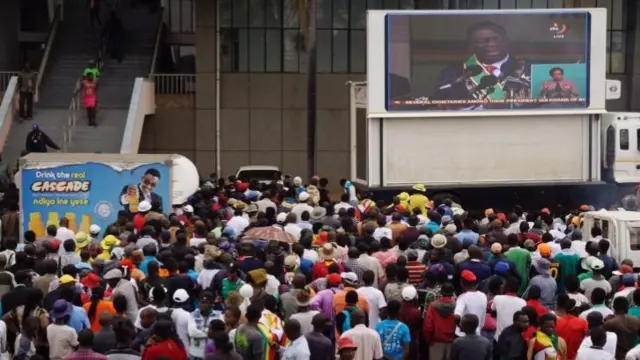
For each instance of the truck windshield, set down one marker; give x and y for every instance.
(260, 175)
(634, 238)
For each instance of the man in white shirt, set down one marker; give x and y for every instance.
(598, 297)
(238, 222)
(595, 320)
(302, 205)
(471, 301)
(343, 204)
(595, 351)
(298, 349)
(375, 298)
(506, 305)
(64, 233)
(292, 226)
(367, 340)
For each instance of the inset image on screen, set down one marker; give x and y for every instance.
(487, 61)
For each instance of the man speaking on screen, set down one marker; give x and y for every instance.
(488, 76)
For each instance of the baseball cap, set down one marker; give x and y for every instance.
(346, 342)
(597, 264)
(282, 217)
(188, 209)
(501, 268)
(334, 279)
(349, 277)
(113, 274)
(94, 229)
(496, 248)
(409, 293)
(627, 280)
(467, 275)
(66, 279)
(180, 296)
(544, 250)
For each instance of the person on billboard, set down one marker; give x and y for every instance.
(132, 195)
(558, 87)
(490, 72)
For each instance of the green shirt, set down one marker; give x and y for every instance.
(93, 71)
(586, 275)
(229, 286)
(634, 311)
(522, 259)
(568, 265)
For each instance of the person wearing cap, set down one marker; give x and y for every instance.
(476, 264)
(471, 301)
(418, 199)
(304, 315)
(328, 255)
(125, 288)
(597, 279)
(181, 317)
(303, 205)
(347, 348)
(411, 315)
(323, 300)
(62, 338)
(544, 251)
(627, 287)
(545, 282)
(350, 283)
(94, 233)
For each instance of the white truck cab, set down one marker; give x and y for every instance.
(621, 228)
(621, 146)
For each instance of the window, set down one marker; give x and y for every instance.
(270, 35)
(617, 27)
(624, 139)
(605, 229)
(634, 238)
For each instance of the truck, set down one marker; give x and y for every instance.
(620, 228)
(504, 137)
(95, 189)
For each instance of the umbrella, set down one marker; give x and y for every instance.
(268, 233)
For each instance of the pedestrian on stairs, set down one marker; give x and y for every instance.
(94, 12)
(27, 86)
(38, 141)
(90, 98)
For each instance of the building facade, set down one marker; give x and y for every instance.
(263, 83)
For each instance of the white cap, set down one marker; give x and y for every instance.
(113, 274)
(94, 229)
(349, 277)
(180, 296)
(246, 291)
(409, 292)
(188, 208)
(597, 264)
(303, 196)
(144, 206)
(282, 217)
(297, 181)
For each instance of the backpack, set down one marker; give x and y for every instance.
(346, 325)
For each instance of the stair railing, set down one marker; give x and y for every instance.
(53, 30)
(75, 106)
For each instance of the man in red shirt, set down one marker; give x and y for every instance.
(569, 326)
(415, 268)
(439, 326)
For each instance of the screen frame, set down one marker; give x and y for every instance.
(377, 64)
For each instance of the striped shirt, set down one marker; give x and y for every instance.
(415, 269)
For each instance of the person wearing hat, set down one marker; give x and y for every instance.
(323, 300)
(347, 348)
(180, 316)
(597, 279)
(544, 251)
(328, 255)
(82, 241)
(545, 282)
(107, 244)
(62, 338)
(411, 316)
(438, 255)
(418, 199)
(304, 315)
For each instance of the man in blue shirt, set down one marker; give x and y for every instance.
(394, 335)
(467, 235)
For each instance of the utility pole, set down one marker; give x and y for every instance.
(311, 85)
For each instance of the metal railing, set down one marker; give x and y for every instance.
(157, 43)
(174, 84)
(5, 78)
(53, 30)
(75, 105)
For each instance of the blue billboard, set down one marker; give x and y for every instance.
(90, 193)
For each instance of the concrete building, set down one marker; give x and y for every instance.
(263, 84)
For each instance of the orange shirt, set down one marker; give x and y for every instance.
(103, 306)
(572, 329)
(339, 301)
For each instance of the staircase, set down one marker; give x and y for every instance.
(77, 43)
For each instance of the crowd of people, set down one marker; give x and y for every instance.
(284, 270)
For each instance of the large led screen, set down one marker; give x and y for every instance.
(487, 61)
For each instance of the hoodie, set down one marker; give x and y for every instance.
(440, 316)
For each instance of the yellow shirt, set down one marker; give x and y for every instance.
(418, 201)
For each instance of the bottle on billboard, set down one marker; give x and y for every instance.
(36, 224)
(85, 224)
(133, 197)
(73, 224)
(53, 219)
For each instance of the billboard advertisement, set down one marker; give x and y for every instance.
(488, 60)
(89, 193)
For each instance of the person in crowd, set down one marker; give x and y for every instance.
(105, 338)
(596, 321)
(511, 344)
(38, 141)
(367, 340)
(164, 342)
(85, 348)
(625, 326)
(568, 325)
(62, 338)
(439, 326)
(471, 345)
(545, 341)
